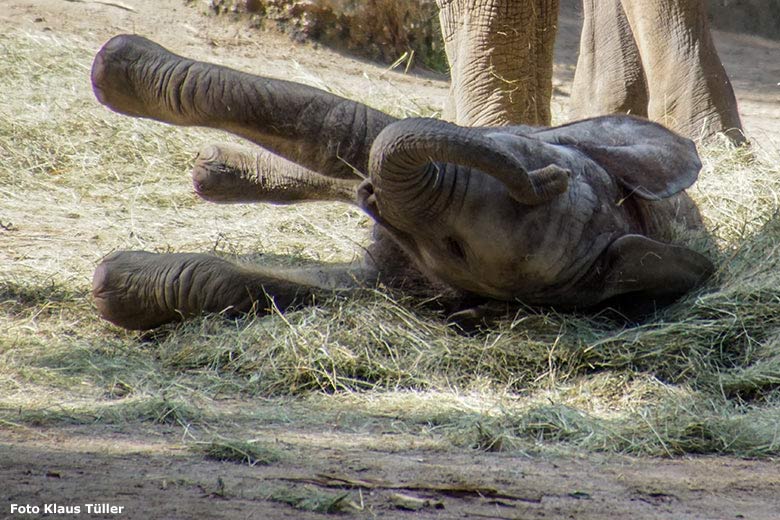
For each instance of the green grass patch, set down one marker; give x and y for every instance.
(317, 501)
(250, 452)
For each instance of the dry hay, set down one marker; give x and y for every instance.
(77, 182)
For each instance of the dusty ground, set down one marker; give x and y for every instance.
(146, 470)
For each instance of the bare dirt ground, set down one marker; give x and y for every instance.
(146, 470)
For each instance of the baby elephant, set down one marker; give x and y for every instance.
(571, 216)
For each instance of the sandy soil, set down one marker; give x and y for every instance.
(146, 469)
(147, 472)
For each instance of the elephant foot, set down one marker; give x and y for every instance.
(123, 76)
(123, 297)
(223, 174)
(232, 174)
(138, 290)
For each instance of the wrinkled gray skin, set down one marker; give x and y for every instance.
(657, 59)
(501, 57)
(650, 58)
(569, 216)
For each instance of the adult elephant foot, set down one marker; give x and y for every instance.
(689, 90)
(139, 290)
(609, 78)
(225, 173)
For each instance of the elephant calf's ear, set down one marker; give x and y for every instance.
(649, 270)
(649, 160)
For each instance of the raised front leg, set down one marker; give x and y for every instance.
(609, 78)
(233, 174)
(140, 290)
(320, 131)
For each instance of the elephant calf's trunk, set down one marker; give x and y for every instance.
(404, 151)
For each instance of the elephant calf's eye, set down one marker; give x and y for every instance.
(455, 248)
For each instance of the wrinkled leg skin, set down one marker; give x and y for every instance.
(307, 127)
(228, 174)
(314, 143)
(501, 56)
(139, 290)
(654, 58)
(689, 90)
(609, 78)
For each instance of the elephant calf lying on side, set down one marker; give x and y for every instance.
(569, 216)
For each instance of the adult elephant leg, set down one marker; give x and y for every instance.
(609, 78)
(320, 131)
(689, 90)
(234, 174)
(140, 290)
(500, 55)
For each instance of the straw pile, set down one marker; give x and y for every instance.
(77, 182)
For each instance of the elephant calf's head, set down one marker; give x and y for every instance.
(520, 213)
(456, 200)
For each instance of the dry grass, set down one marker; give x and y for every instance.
(77, 182)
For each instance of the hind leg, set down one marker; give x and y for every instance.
(233, 174)
(140, 290)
